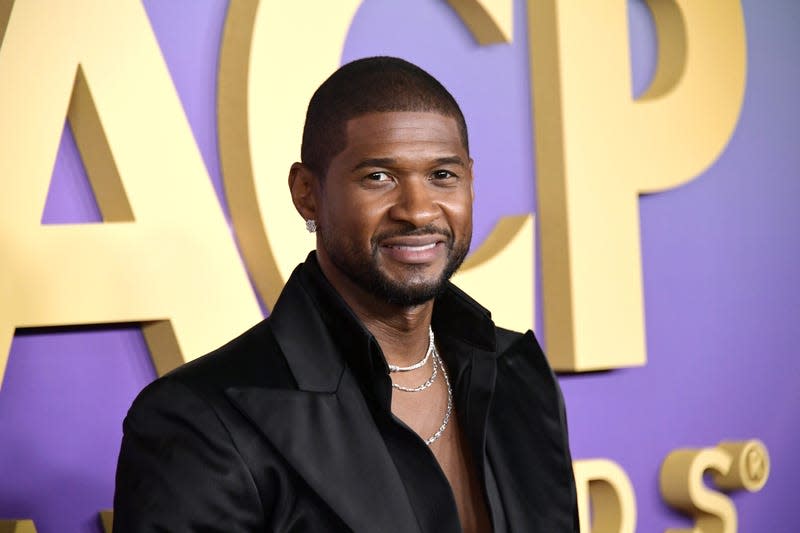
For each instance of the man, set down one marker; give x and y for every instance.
(377, 396)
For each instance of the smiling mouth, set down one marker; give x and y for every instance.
(411, 253)
(414, 248)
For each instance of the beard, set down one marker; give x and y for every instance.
(364, 269)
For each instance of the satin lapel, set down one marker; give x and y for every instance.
(332, 442)
(526, 443)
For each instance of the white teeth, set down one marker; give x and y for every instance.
(416, 248)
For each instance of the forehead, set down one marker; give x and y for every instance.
(390, 133)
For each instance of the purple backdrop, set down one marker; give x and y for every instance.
(721, 260)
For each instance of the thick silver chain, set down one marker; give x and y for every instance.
(420, 363)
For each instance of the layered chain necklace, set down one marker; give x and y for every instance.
(436, 365)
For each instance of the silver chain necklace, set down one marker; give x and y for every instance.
(433, 438)
(420, 363)
(422, 387)
(437, 362)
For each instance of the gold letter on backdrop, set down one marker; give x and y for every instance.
(597, 149)
(603, 486)
(490, 21)
(164, 255)
(734, 465)
(682, 487)
(16, 526)
(268, 73)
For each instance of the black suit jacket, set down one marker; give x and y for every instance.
(272, 432)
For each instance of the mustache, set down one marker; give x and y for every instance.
(430, 229)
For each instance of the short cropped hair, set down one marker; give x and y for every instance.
(369, 85)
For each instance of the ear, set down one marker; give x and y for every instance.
(302, 185)
(471, 182)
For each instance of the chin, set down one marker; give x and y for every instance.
(403, 293)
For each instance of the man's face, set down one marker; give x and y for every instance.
(395, 207)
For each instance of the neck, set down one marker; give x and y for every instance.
(401, 331)
(403, 337)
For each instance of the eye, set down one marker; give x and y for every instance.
(441, 174)
(377, 177)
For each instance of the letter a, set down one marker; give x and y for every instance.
(165, 256)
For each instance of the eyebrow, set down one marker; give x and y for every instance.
(388, 162)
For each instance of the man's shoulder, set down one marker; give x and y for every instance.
(506, 338)
(253, 359)
(511, 340)
(523, 347)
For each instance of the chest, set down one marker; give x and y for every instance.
(426, 414)
(456, 462)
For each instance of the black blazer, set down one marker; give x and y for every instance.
(272, 432)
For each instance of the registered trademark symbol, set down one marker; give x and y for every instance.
(755, 464)
(749, 468)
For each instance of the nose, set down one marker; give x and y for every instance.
(415, 203)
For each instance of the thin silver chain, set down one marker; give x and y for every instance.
(433, 438)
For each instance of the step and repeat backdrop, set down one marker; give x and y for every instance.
(637, 175)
